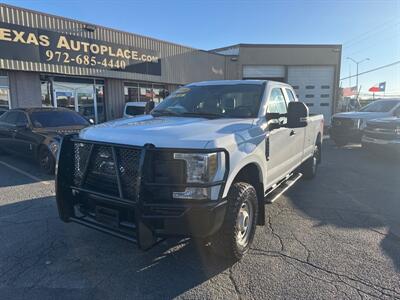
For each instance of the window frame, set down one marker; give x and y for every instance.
(290, 92)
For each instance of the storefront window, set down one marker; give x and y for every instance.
(131, 92)
(101, 111)
(158, 93)
(78, 94)
(4, 93)
(144, 92)
(46, 94)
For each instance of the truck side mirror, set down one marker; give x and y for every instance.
(297, 115)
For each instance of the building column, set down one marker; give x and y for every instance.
(25, 89)
(114, 98)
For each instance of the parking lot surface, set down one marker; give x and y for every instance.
(337, 236)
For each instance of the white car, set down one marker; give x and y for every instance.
(203, 164)
(133, 109)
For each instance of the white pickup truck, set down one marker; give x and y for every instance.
(202, 164)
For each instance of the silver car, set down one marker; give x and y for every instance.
(348, 127)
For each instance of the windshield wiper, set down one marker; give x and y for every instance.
(164, 112)
(204, 115)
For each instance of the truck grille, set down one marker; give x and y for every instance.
(343, 123)
(103, 168)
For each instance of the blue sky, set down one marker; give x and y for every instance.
(365, 28)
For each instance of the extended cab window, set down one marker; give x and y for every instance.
(277, 104)
(290, 95)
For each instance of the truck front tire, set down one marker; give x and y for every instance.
(236, 234)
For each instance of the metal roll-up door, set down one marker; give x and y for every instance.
(264, 72)
(314, 85)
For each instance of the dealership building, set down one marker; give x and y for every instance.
(47, 60)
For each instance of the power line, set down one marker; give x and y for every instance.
(368, 34)
(372, 70)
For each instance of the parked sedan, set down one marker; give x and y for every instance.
(37, 132)
(348, 127)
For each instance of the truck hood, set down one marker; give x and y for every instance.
(165, 131)
(390, 122)
(361, 115)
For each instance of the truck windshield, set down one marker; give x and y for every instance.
(380, 106)
(214, 101)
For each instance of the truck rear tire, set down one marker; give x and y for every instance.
(236, 234)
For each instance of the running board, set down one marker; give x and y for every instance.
(278, 189)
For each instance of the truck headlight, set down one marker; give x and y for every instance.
(202, 168)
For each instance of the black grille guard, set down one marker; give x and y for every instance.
(140, 233)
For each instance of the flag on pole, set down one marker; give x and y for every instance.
(349, 91)
(378, 87)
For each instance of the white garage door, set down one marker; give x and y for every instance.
(314, 86)
(263, 72)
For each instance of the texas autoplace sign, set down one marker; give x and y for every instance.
(45, 46)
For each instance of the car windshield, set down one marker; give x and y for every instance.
(230, 101)
(42, 119)
(380, 106)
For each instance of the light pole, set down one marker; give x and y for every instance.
(357, 63)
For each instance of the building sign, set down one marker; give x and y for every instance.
(44, 46)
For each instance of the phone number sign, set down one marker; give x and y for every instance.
(44, 46)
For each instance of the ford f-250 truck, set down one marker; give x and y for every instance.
(201, 165)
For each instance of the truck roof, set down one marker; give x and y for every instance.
(233, 82)
(226, 82)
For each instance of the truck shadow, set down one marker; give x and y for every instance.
(40, 253)
(360, 192)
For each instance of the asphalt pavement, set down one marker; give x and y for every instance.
(337, 236)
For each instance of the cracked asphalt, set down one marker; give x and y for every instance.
(337, 236)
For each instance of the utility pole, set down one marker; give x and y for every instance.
(357, 63)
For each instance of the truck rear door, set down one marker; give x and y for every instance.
(297, 136)
(281, 140)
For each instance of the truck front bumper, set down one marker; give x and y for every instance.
(392, 146)
(349, 135)
(134, 218)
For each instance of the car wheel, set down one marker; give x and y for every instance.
(236, 234)
(310, 166)
(46, 160)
